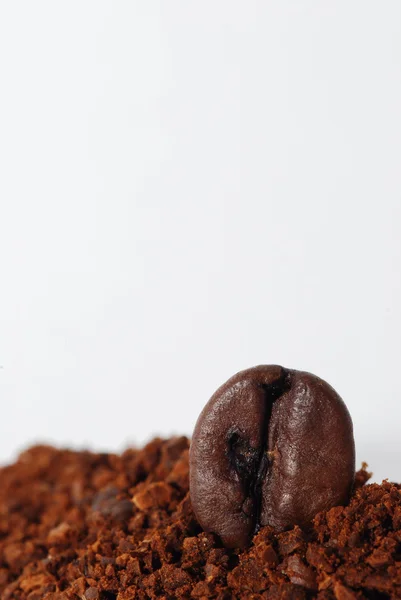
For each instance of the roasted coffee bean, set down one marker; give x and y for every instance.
(274, 447)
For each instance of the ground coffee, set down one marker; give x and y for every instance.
(84, 526)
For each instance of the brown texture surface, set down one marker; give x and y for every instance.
(82, 526)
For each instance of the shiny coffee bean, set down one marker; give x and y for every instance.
(272, 446)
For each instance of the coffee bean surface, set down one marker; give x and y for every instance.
(274, 447)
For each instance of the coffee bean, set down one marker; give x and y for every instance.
(274, 447)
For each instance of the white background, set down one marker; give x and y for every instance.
(188, 189)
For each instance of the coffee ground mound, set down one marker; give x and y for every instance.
(85, 526)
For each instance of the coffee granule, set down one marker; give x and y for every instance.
(85, 526)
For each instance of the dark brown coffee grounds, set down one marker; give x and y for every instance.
(83, 526)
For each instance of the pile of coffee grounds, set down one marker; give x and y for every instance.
(85, 526)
